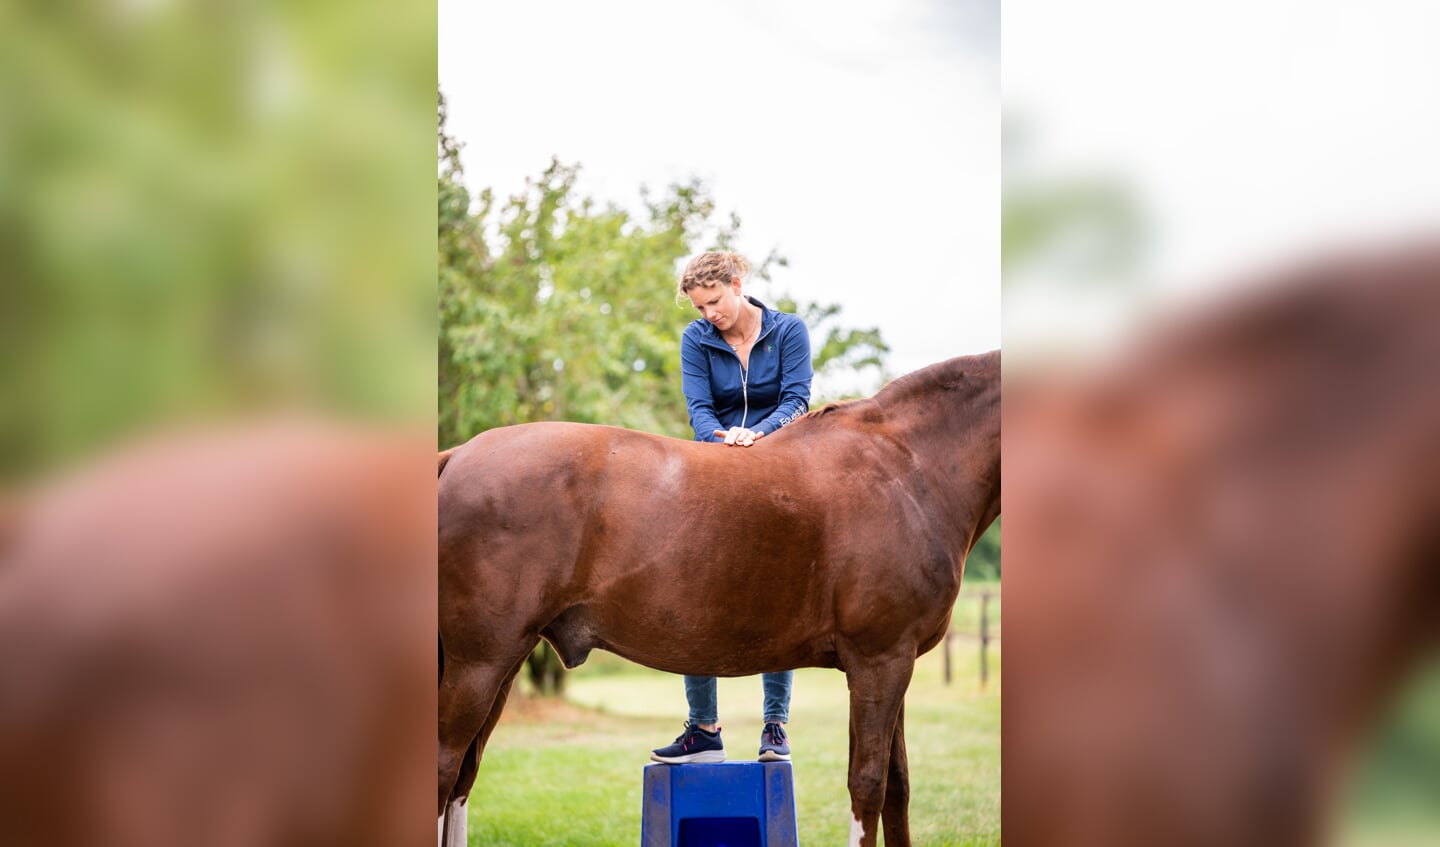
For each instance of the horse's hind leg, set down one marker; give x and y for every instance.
(877, 693)
(467, 695)
(472, 696)
(453, 826)
(455, 812)
(896, 812)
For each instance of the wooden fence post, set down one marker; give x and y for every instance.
(984, 635)
(948, 635)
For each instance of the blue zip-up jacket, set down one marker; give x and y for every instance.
(774, 391)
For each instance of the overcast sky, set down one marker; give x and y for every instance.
(1249, 134)
(860, 139)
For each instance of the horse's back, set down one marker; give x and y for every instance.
(506, 460)
(527, 497)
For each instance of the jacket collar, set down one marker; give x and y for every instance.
(712, 335)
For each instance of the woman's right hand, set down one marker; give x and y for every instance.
(739, 436)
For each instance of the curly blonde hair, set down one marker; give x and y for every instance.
(708, 270)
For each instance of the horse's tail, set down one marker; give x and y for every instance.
(444, 457)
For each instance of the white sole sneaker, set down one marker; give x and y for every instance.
(708, 756)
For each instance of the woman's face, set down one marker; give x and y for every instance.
(718, 304)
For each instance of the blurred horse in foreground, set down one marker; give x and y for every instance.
(845, 551)
(1222, 554)
(222, 638)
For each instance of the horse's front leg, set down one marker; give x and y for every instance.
(896, 812)
(877, 693)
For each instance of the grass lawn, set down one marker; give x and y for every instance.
(569, 773)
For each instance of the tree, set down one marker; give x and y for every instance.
(558, 308)
(838, 347)
(555, 307)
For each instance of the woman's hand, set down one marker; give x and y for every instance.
(739, 436)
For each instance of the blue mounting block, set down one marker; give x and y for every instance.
(729, 804)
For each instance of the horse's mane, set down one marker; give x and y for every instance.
(929, 378)
(831, 407)
(922, 381)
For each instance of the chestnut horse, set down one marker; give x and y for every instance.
(221, 636)
(836, 542)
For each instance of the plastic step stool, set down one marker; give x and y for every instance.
(727, 804)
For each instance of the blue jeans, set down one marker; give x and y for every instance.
(700, 692)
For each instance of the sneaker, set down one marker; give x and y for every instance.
(692, 745)
(773, 747)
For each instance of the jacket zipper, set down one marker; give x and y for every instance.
(744, 392)
(745, 384)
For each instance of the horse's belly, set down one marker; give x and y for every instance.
(709, 642)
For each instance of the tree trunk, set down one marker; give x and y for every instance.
(546, 671)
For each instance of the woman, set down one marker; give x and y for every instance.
(745, 371)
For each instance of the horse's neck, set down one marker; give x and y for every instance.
(954, 437)
(1307, 419)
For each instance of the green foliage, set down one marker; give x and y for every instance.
(208, 209)
(572, 317)
(984, 560)
(837, 347)
(1089, 228)
(555, 307)
(1398, 777)
(546, 671)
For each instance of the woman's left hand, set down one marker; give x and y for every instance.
(739, 436)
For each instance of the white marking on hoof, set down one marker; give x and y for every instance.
(857, 832)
